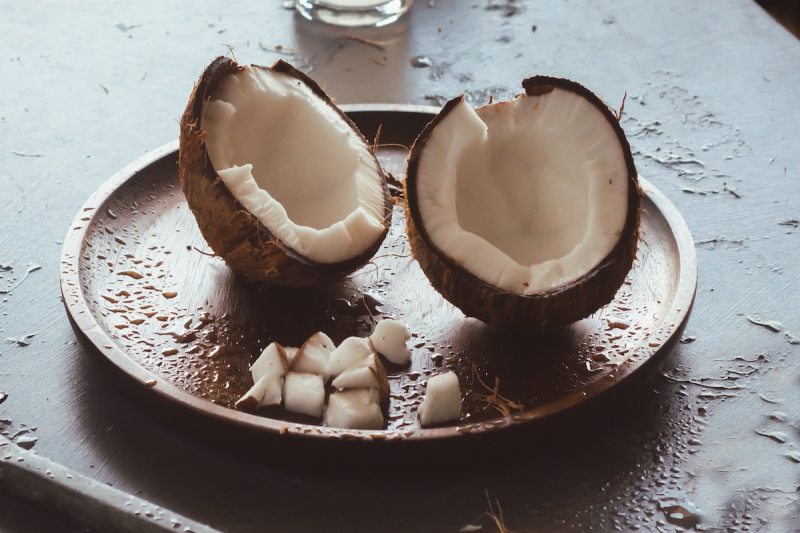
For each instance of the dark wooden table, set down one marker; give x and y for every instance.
(713, 112)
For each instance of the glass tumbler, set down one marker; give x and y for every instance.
(353, 13)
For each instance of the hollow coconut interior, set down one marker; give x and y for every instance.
(292, 161)
(527, 195)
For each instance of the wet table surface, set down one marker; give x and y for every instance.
(711, 441)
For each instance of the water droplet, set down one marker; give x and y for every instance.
(778, 416)
(131, 274)
(27, 442)
(777, 436)
(793, 456)
(420, 62)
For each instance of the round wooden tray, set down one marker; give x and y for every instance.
(141, 284)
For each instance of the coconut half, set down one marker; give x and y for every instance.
(525, 213)
(283, 185)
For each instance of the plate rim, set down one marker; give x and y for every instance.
(78, 309)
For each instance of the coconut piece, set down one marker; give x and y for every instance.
(354, 409)
(389, 339)
(525, 213)
(349, 352)
(304, 393)
(283, 185)
(291, 353)
(366, 374)
(313, 356)
(442, 402)
(266, 391)
(271, 362)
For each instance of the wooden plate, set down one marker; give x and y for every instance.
(139, 281)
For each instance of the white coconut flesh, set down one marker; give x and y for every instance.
(366, 374)
(314, 356)
(527, 195)
(291, 353)
(352, 350)
(354, 409)
(304, 393)
(291, 160)
(266, 391)
(389, 339)
(271, 362)
(442, 402)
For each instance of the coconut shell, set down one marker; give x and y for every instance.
(234, 234)
(505, 310)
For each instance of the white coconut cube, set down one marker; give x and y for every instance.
(304, 393)
(266, 391)
(271, 362)
(442, 402)
(291, 353)
(354, 409)
(313, 356)
(351, 351)
(366, 374)
(389, 339)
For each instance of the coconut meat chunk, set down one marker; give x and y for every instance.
(351, 351)
(314, 356)
(366, 374)
(266, 391)
(389, 339)
(271, 362)
(293, 162)
(442, 402)
(354, 409)
(304, 393)
(527, 195)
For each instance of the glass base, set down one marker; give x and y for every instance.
(350, 14)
